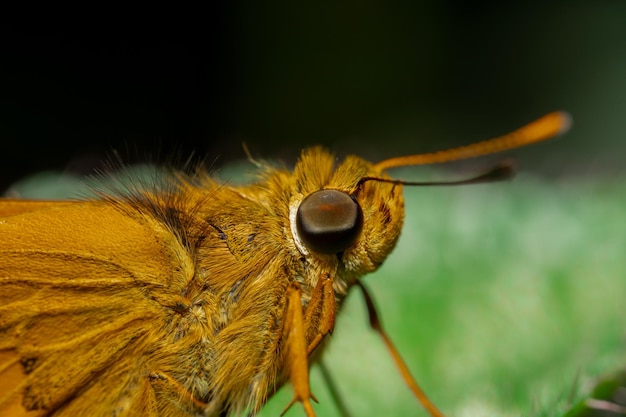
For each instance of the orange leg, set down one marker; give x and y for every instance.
(160, 378)
(404, 370)
(297, 359)
(304, 333)
(319, 317)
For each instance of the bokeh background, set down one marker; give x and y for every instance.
(377, 78)
(505, 299)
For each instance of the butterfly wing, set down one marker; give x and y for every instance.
(78, 311)
(14, 207)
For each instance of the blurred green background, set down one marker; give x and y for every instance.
(506, 299)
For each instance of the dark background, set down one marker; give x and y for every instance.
(373, 78)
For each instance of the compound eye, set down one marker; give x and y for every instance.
(329, 221)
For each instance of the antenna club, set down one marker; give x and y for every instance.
(550, 125)
(566, 122)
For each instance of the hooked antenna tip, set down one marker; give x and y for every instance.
(566, 122)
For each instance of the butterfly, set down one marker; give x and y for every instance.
(189, 297)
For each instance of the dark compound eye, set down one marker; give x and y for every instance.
(329, 221)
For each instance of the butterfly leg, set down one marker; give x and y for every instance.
(164, 382)
(319, 317)
(297, 359)
(395, 355)
(305, 333)
(333, 390)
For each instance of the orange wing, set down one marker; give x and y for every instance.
(76, 315)
(15, 207)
